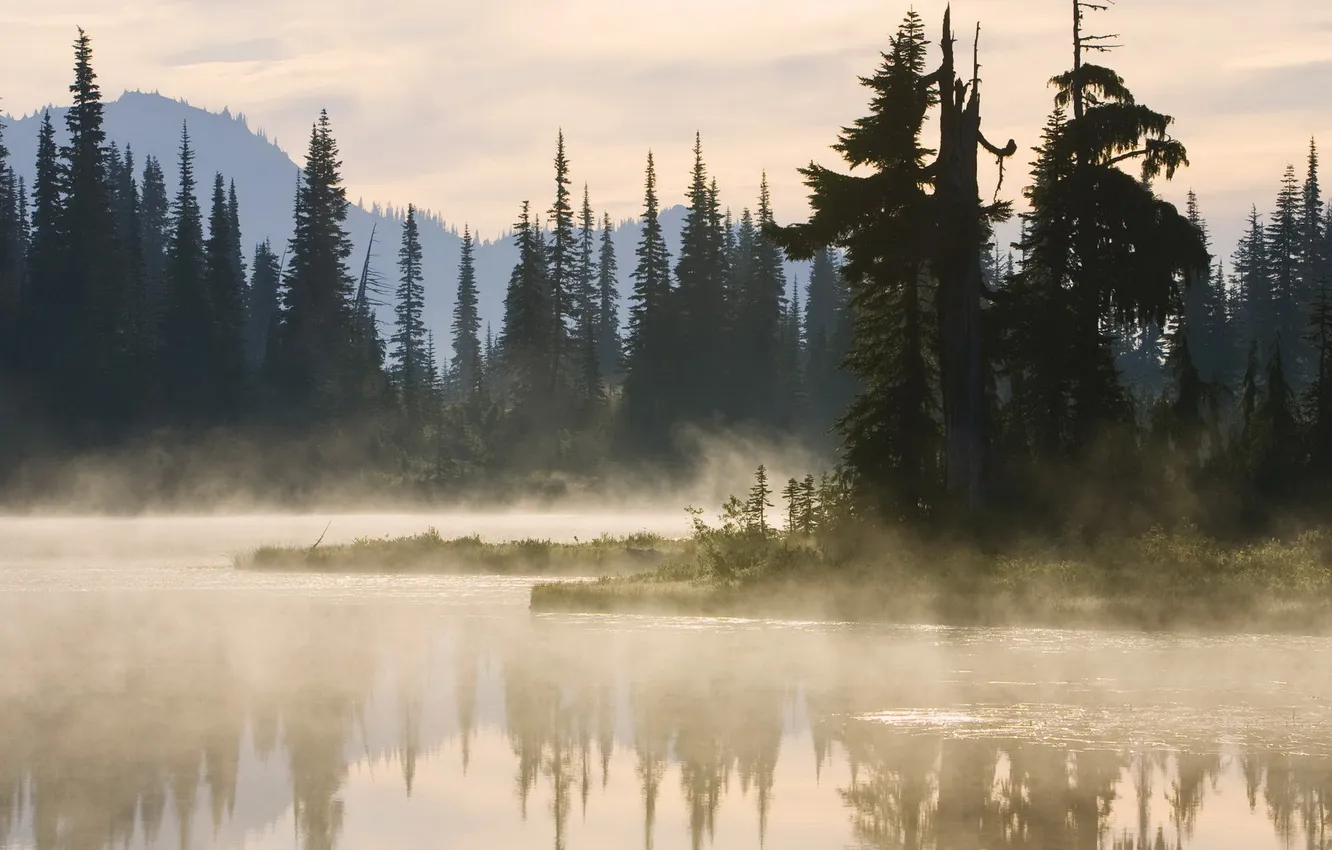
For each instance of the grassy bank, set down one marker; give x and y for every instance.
(431, 553)
(1156, 581)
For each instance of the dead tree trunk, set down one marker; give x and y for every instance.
(957, 266)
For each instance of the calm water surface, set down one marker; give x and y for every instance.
(150, 696)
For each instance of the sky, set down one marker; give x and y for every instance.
(455, 106)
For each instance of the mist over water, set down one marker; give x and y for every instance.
(153, 697)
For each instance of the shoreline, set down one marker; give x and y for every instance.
(430, 553)
(1157, 582)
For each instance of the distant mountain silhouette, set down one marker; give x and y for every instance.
(266, 175)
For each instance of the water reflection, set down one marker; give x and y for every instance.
(258, 722)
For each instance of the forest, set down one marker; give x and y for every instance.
(1108, 371)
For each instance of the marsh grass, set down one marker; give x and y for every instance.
(429, 552)
(1159, 581)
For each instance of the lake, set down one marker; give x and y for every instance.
(151, 696)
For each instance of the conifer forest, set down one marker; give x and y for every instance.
(1111, 368)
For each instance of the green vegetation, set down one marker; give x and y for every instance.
(826, 564)
(431, 553)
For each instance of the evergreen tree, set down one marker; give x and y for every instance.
(188, 326)
(225, 378)
(433, 384)
(154, 235)
(237, 251)
(742, 260)
(1256, 315)
(1247, 444)
(563, 265)
(24, 235)
(1204, 312)
(1318, 396)
(608, 305)
(808, 506)
(756, 506)
(528, 335)
(125, 211)
(791, 363)
(467, 322)
(1103, 256)
(827, 334)
(700, 302)
(588, 354)
(1314, 262)
(760, 329)
(48, 338)
(791, 495)
(99, 368)
(1277, 437)
(317, 355)
(891, 441)
(648, 372)
(1284, 262)
(1188, 395)
(409, 338)
(10, 263)
(263, 305)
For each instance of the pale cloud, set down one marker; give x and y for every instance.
(455, 106)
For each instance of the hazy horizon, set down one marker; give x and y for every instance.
(767, 85)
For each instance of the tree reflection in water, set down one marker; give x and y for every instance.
(128, 726)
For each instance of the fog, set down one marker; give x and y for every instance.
(212, 539)
(152, 696)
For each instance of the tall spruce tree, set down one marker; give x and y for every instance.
(528, 336)
(187, 321)
(467, 322)
(792, 399)
(1104, 255)
(317, 350)
(409, 336)
(98, 364)
(588, 373)
(1277, 438)
(1313, 262)
(1318, 395)
(1256, 313)
(1316, 231)
(891, 440)
(24, 235)
(125, 211)
(608, 305)
(827, 336)
(237, 250)
(562, 253)
(700, 302)
(47, 334)
(225, 285)
(1284, 244)
(263, 307)
(760, 322)
(1204, 313)
(154, 235)
(10, 264)
(647, 381)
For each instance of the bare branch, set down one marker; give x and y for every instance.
(1000, 154)
(975, 59)
(1129, 155)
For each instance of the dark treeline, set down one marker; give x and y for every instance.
(134, 313)
(1103, 372)
(1107, 368)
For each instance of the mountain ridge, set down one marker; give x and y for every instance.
(149, 123)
